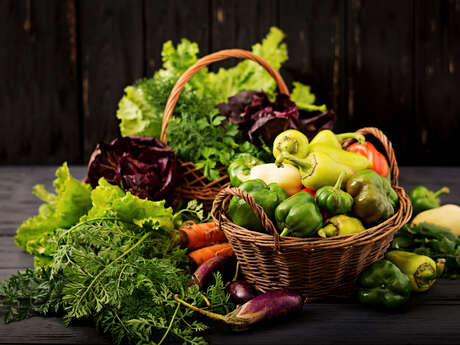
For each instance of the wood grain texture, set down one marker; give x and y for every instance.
(316, 46)
(111, 40)
(240, 24)
(437, 68)
(38, 97)
(379, 73)
(174, 20)
(50, 330)
(16, 200)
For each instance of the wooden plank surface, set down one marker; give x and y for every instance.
(174, 20)
(111, 40)
(437, 66)
(38, 70)
(379, 71)
(240, 24)
(432, 317)
(64, 65)
(316, 47)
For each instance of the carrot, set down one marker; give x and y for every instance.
(203, 254)
(200, 235)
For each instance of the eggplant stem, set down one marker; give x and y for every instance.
(201, 311)
(443, 190)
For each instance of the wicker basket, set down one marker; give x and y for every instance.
(194, 184)
(315, 267)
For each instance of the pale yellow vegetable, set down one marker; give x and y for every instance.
(447, 216)
(288, 177)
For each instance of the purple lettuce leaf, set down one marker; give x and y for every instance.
(140, 165)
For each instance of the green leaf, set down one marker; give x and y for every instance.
(304, 99)
(61, 210)
(218, 120)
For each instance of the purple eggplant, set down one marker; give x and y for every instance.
(204, 274)
(240, 291)
(270, 305)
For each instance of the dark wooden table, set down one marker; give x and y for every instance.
(433, 317)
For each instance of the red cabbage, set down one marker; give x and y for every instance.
(140, 165)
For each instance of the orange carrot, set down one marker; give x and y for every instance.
(200, 235)
(203, 254)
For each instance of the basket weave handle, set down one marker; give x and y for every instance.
(386, 144)
(203, 62)
(218, 210)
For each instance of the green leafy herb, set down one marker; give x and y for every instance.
(119, 267)
(433, 241)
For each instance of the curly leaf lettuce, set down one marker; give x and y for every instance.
(60, 210)
(249, 75)
(111, 201)
(302, 96)
(141, 108)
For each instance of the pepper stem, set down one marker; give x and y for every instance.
(338, 184)
(284, 232)
(329, 230)
(210, 314)
(440, 265)
(443, 190)
(284, 156)
(358, 137)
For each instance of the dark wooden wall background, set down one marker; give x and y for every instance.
(387, 63)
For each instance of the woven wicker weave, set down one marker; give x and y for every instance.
(316, 267)
(194, 185)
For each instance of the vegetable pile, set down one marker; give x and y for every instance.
(111, 250)
(322, 168)
(198, 132)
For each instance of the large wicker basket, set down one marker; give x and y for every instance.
(316, 267)
(194, 184)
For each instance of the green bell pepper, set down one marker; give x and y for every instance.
(240, 168)
(333, 199)
(341, 225)
(424, 199)
(384, 285)
(298, 216)
(267, 196)
(374, 199)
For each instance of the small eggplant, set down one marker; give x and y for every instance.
(204, 274)
(240, 291)
(270, 305)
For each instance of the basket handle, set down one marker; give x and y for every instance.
(386, 144)
(218, 210)
(203, 62)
